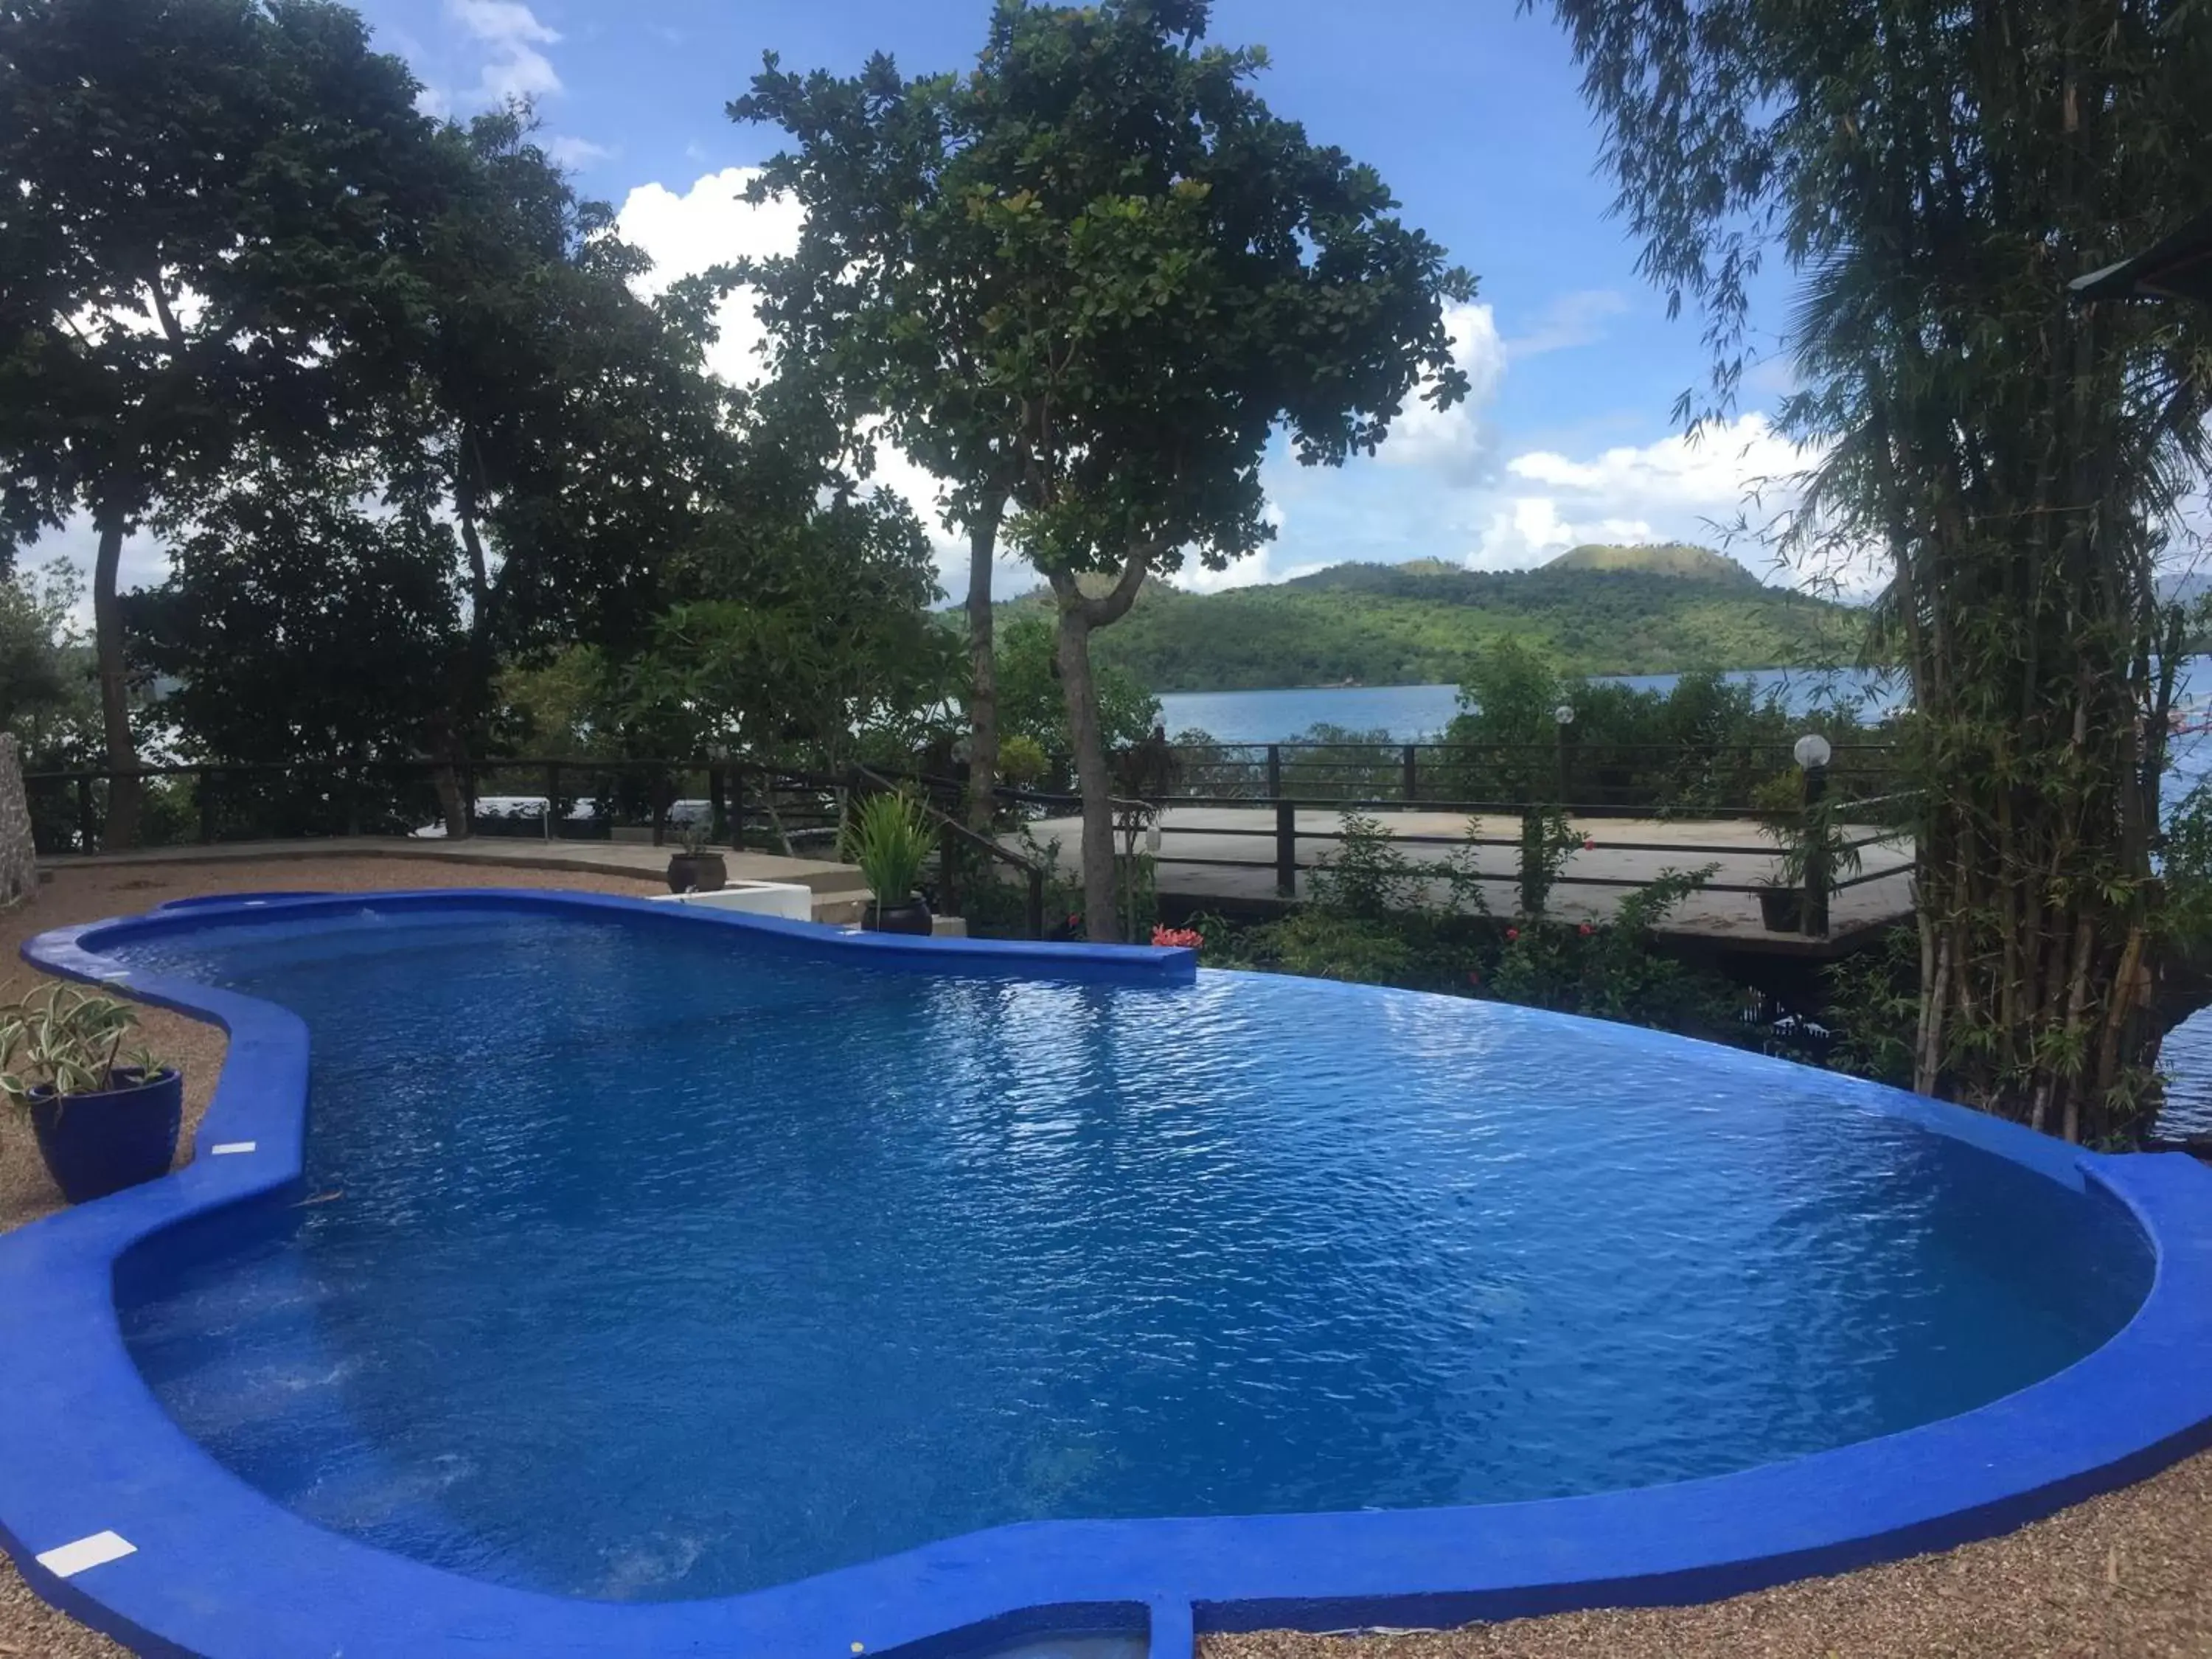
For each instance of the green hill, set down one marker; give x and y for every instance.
(1699, 564)
(1594, 611)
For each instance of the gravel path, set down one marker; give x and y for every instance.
(2127, 1575)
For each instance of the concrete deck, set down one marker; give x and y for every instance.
(836, 886)
(1628, 849)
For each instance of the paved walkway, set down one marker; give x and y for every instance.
(1629, 850)
(833, 883)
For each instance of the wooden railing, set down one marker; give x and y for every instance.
(747, 803)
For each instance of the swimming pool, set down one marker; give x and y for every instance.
(654, 1278)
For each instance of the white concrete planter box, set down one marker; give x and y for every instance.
(787, 899)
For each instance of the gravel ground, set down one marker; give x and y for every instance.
(2127, 1575)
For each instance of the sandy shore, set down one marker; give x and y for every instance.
(2125, 1576)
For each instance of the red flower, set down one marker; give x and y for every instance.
(1186, 939)
(1512, 933)
(1475, 976)
(1587, 930)
(1075, 921)
(1589, 845)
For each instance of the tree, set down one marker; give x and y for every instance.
(298, 624)
(1183, 272)
(888, 303)
(45, 666)
(797, 643)
(566, 426)
(1935, 175)
(1032, 705)
(202, 193)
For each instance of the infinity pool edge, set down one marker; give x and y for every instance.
(219, 1569)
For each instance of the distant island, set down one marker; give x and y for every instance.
(1595, 610)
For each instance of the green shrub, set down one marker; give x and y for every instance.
(890, 838)
(1367, 875)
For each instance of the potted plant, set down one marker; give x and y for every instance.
(104, 1119)
(889, 836)
(1811, 839)
(695, 870)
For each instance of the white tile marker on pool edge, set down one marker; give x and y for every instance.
(67, 1560)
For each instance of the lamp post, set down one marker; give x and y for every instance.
(1813, 752)
(1562, 718)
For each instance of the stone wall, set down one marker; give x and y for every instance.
(19, 870)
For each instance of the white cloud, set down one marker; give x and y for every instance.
(1454, 441)
(1529, 530)
(1571, 319)
(571, 152)
(1680, 487)
(712, 224)
(1719, 465)
(1255, 570)
(517, 69)
(503, 22)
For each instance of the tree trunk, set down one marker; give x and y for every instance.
(449, 759)
(1102, 916)
(983, 668)
(124, 791)
(1078, 616)
(469, 669)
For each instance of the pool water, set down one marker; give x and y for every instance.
(650, 1261)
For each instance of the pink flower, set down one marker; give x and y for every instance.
(1475, 976)
(1588, 844)
(1184, 938)
(1587, 930)
(1512, 933)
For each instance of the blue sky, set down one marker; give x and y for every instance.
(1469, 108)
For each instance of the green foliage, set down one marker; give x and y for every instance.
(1705, 742)
(1032, 704)
(203, 250)
(66, 1039)
(1548, 839)
(890, 837)
(1611, 970)
(1327, 943)
(1420, 623)
(298, 627)
(1089, 280)
(1874, 1007)
(1022, 759)
(1367, 875)
(1811, 835)
(1936, 181)
(47, 696)
(1690, 563)
(1608, 970)
(2185, 868)
(799, 641)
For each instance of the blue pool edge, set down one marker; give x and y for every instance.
(219, 1571)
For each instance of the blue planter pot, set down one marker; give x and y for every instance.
(95, 1145)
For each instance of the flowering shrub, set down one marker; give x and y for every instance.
(1186, 939)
